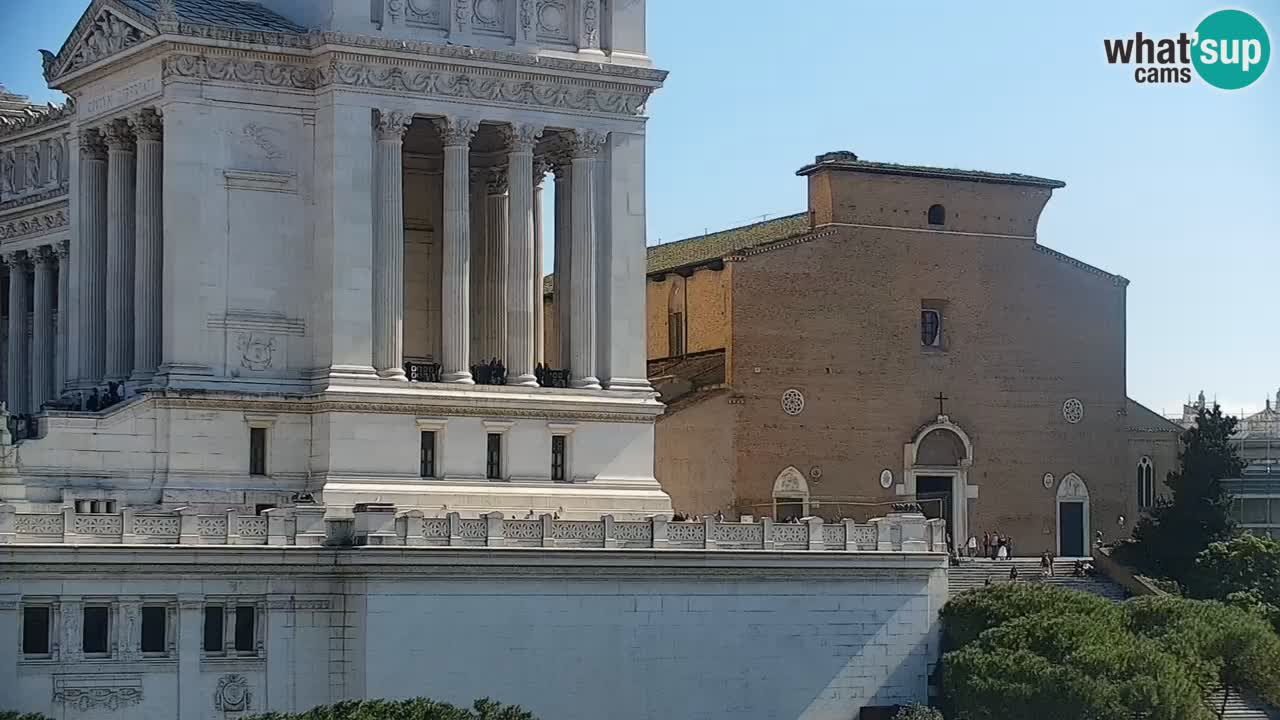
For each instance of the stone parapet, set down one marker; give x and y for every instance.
(382, 524)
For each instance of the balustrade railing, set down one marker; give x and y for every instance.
(382, 524)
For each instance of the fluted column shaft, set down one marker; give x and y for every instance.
(16, 380)
(60, 375)
(149, 248)
(563, 260)
(495, 304)
(121, 173)
(539, 330)
(519, 275)
(582, 357)
(456, 134)
(92, 266)
(479, 330)
(42, 328)
(388, 246)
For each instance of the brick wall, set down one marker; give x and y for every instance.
(839, 319)
(704, 297)
(695, 455)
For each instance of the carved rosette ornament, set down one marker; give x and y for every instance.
(393, 124)
(456, 132)
(233, 694)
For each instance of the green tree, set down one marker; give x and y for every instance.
(410, 709)
(970, 614)
(1196, 513)
(918, 712)
(12, 715)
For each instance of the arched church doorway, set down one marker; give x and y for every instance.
(790, 495)
(937, 471)
(1073, 517)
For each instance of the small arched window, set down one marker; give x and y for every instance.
(676, 329)
(1146, 484)
(937, 215)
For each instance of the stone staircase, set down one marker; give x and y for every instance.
(974, 573)
(1239, 707)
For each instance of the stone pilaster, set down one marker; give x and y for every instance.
(121, 173)
(92, 266)
(60, 372)
(497, 246)
(456, 135)
(16, 381)
(520, 250)
(563, 258)
(388, 245)
(541, 166)
(149, 247)
(582, 350)
(42, 327)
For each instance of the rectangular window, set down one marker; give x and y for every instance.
(557, 458)
(493, 457)
(155, 620)
(1255, 510)
(246, 642)
(257, 451)
(97, 630)
(35, 630)
(675, 334)
(213, 628)
(427, 457)
(930, 328)
(262, 507)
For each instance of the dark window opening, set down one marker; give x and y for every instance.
(35, 630)
(930, 328)
(213, 628)
(246, 642)
(427, 456)
(97, 625)
(675, 334)
(257, 451)
(937, 215)
(557, 458)
(263, 507)
(493, 457)
(154, 627)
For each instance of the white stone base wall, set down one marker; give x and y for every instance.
(567, 634)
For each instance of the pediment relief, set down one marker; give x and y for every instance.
(104, 30)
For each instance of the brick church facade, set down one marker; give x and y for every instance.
(906, 338)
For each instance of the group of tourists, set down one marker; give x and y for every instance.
(994, 546)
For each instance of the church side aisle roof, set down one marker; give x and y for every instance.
(238, 14)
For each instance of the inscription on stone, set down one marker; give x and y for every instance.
(121, 96)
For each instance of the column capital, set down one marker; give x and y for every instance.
(63, 249)
(521, 137)
(391, 125)
(18, 259)
(119, 136)
(147, 125)
(91, 145)
(496, 179)
(586, 143)
(44, 255)
(542, 165)
(456, 131)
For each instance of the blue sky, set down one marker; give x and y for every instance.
(1176, 187)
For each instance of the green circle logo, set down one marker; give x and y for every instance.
(1232, 49)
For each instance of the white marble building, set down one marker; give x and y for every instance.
(259, 218)
(189, 616)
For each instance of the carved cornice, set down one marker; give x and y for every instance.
(34, 224)
(50, 194)
(35, 118)
(417, 408)
(453, 82)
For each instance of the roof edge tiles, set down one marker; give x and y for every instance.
(844, 160)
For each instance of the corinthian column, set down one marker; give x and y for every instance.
(92, 265)
(519, 330)
(388, 246)
(495, 302)
(16, 380)
(479, 330)
(149, 270)
(42, 328)
(121, 172)
(563, 259)
(63, 250)
(582, 357)
(456, 133)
